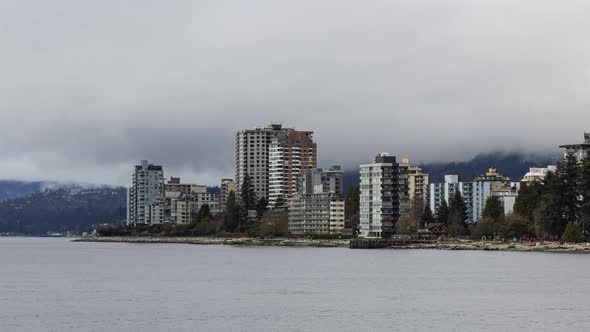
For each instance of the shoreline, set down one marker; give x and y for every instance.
(336, 243)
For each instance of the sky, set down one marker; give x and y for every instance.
(89, 88)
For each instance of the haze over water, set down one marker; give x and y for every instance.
(56, 285)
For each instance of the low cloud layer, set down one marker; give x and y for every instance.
(89, 88)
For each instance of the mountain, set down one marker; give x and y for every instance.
(13, 189)
(513, 165)
(64, 209)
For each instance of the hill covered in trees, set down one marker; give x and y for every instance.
(65, 209)
(10, 189)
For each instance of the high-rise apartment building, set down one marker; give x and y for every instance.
(291, 154)
(379, 196)
(252, 157)
(580, 151)
(227, 186)
(273, 157)
(147, 187)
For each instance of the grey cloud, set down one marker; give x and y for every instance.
(89, 88)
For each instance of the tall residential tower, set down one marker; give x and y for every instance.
(147, 187)
(379, 197)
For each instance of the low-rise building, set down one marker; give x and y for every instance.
(316, 214)
(537, 174)
(322, 181)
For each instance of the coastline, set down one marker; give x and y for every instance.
(317, 243)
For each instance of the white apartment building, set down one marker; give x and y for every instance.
(379, 197)
(253, 157)
(317, 214)
(147, 187)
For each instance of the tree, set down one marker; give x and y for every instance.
(352, 207)
(572, 233)
(516, 226)
(561, 197)
(417, 210)
(457, 219)
(204, 213)
(261, 207)
(280, 202)
(405, 225)
(232, 213)
(247, 203)
(528, 199)
(569, 171)
(584, 183)
(427, 217)
(493, 209)
(442, 214)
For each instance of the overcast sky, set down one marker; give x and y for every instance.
(88, 88)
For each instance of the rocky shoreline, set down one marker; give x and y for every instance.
(442, 245)
(222, 241)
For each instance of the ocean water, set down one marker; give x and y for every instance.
(57, 285)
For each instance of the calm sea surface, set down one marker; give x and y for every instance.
(56, 285)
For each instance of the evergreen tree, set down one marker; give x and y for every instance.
(561, 196)
(204, 213)
(280, 202)
(261, 207)
(247, 203)
(584, 190)
(569, 172)
(493, 209)
(442, 213)
(528, 199)
(572, 233)
(427, 217)
(458, 208)
(232, 213)
(584, 184)
(352, 207)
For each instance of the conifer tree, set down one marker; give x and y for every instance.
(427, 217)
(442, 213)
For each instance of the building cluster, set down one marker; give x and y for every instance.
(153, 200)
(281, 164)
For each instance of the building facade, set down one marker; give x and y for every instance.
(537, 174)
(292, 151)
(316, 214)
(146, 188)
(580, 151)
(413, 184)
(252, 157)
(322, 181)
(291, 154)
(379, 196)
(483, 187)
(227, 186)
(439, 192)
